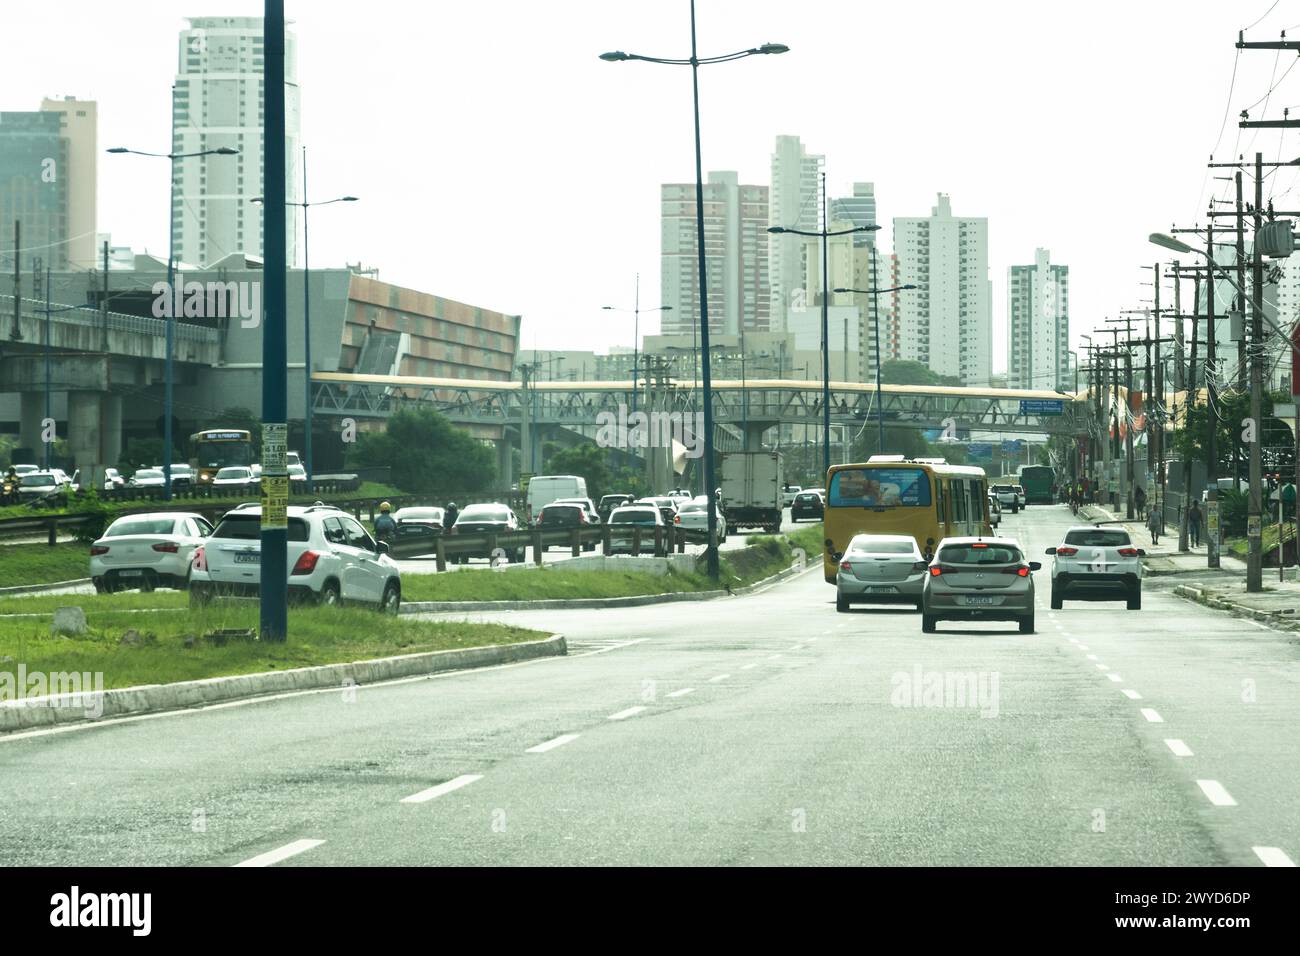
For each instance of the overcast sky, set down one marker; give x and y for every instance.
(499, 162)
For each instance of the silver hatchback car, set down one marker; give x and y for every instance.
(979, 579)
(880, 567)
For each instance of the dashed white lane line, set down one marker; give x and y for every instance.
(1216, 794)
(1150, 714)
(718, 677)
(283, 853)
(772, 657)
(1073, 640)
(749, 667)
(1082, 647)
(683, 692)
(1179, 748)
(798, 647)
(1115, 677)
(1131, 694)
(424, 796)
(559, 741)
(1103, 667)
(1272, 856)
(1092, 657)
(625, 714)
(811, 639)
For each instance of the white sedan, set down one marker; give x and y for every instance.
(146, 551)
(694, 516)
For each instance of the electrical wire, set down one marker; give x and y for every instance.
(1261, 19)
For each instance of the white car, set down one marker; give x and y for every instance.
(588, 507)
(1097, 563)
(1008, 497)
(147, 478)
(331, 558)
(40, 485)
(234, 476)
(788, 494)
(694, 516)
(995, 510)
(147, 551)
(432, 517)
(297, 472)
(623, 523)
(886, 568)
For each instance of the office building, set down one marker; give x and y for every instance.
(796, 203)
(1038, 324)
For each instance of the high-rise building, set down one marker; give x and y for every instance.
(217, 101)
(947, 323)
(1038, 324)
(735, 244)
(796, 203)
(858, 210)
(78, 124)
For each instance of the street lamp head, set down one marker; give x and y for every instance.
(908, 286)
(614, 56)
(1169, 242)
(226, 151)
(256, 200)
(119, 149)
(838, 291)
(871, 228)
(665, 308)
(776, 230)
(348, 199)
(774, 48)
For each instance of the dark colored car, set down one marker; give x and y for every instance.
(807, 505)
(483, 519)
(609, 502)
(555, 517)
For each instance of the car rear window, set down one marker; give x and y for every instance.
(1098, 538)
(634, 517)
(979, 553)
(563, 514)
(878, 546)
(248, 527)
(473, 513)
(140, 526)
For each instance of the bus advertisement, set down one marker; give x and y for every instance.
(217, 448)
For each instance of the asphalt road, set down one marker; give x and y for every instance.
(763, 729)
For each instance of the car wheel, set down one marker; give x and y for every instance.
(1027, 625)
(1135, 600)
(99, 587)
(329, 594)
(841, 603)
(392, 600)
(928, 623)
(519, 556)
(1057, 600)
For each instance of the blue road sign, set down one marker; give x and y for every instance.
(1042, 406)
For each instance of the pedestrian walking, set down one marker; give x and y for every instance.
(1155, 521)
(1140, 502)
(1194, 524)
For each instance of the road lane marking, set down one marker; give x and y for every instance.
(625, 714)
(772, 657)
(1103, 667)
(683, 692)
(1074, 640)
(559, 741)
(1115, 677)
(1132, 694)
(811, 639)
(1091, 657)
(283, 853)
(1216, 793)
(1150, 714)
(1082, 647)
(612, 647)
(749, 667)
(464, 780)
(1272, 856)
(1179, 748)
(718, 677)
(798, 647)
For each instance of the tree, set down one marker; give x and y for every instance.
(592, 462)
(903, 372)
(243, 419)
(426, 453)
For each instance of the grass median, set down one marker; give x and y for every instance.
(40, 564)
(130, 648)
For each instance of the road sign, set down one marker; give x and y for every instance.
(1042, 406)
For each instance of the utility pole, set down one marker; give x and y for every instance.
(17, 333)
(1254, 517)
(1241, 298)
(103, 305)
(1212, 416)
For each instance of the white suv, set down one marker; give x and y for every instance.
(331, 558)
(1097, 563)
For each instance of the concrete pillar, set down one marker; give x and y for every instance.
(110, 429)
(505, 461)
(83, 432)
(31, 411)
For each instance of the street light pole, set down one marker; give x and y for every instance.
(875, 294)
(826, 342)
(1254, 515)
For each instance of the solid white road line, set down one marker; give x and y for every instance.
(683, 692)
(283, 853)
(1150, 714)
(1131, 694)
(718, 677)
(559, 741)
(624, 714)
(464, 780)
(1115, 677)
(1179, 748)
(1216, 794)
(1272, 856)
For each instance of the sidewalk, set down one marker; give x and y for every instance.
(1223, 588)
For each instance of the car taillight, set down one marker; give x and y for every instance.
(97, 549)
(169, 547)
(1066, 552)
(306, 562)
(936, 571)
(1128, 552)
(1023, 571)
(845, 566)
(200, 562)
(677, 519)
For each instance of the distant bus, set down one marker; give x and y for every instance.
(1039, 482)
(217, 448)
(928, 500)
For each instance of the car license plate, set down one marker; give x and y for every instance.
(130, 573)
(880, 590)
(248, 557)
(979, 600)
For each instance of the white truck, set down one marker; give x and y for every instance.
(752, 483)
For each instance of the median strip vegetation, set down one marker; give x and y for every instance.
(130, 649)
(22, 564)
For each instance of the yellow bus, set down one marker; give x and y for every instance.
(217, 448)
(889, 494)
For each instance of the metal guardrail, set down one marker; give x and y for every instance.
(659, 542)
(89, 316)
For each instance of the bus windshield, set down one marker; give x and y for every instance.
(880, 488)
(220, 454)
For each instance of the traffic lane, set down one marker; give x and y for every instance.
(809, 755)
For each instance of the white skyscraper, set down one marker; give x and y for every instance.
(947, 323)
(217, 101)
(796, 203)
(1038, 324)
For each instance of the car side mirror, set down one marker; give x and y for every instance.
(1051, 551)
(381, 547)
(1035, 565)
(1142, 553)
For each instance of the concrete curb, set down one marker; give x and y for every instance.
(38, 588)
(89, 706)
(1210, 600)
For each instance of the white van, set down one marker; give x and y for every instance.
(543, 489)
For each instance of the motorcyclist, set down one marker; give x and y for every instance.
(449, 515)
(10, 483)
(385, 526)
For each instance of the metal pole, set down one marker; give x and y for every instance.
(1254, 516)
(636, 340)
(274, 616)
(49, 414)
(170, 319)
(17, 333)
(875, 321)
(711, 551)
(103, 305)
(1212, 413)
(826, 347)
(306, 335)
